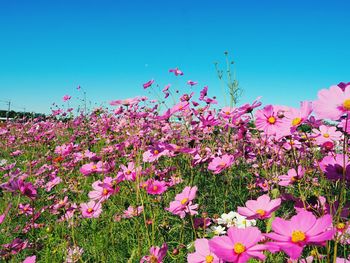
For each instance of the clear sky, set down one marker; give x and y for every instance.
(284, 51)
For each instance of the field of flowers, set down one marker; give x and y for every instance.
(193, 182)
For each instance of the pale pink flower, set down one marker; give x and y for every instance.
(261, 208)
(326, 134)
(203, 253)
(183, 202)
(91, 209)
(332, 103)
(218, 164)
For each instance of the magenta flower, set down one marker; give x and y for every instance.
(192, 83)
(268, 120)
(261, 208)
(27, 189)
(239, 245)
(333, 167)
(183, 203)
(66, 97)
(3, 216)
(155, 187)
(91, 209)
(148, 84)
(218, 164)
(157, 254)
(332, 103)
(176, 71)
(302, 229)
(129, 172)
(203, 253)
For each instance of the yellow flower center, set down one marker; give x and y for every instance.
(153, 259)
(239, 248)
(326, 135)
(209, 259)
(184, 201)
(90, 210)
(155, 188)
(105, 191)
(340, 226)
(298, 236)
(296, 121)
(222, 164)
(261, 212)
(271, 120)
(346, 104)
(94, 167)
(227, 113)
(128, 172)
(155, 152)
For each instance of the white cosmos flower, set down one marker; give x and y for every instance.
(242, 222)
(217, 230)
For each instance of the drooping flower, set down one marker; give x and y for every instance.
(239, 245)
(183, 203)
(203, 253)
(157, 254)
(303, 229)
(91, 209)
(332, 103)
(261, 208)
(132, 211)
(218, 164)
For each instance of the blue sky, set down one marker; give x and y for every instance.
(284, 51)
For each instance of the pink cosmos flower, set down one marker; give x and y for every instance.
(125, 102)
(31, 259)
(155, 187)
(92, 167)
(333, 167)
(192, 83)
(218, 164)
(345, 126)
(91, 209)
(3, 216)
(303, 229)
(239, 245)
(292, 176)
(203, 253)
(153, 154)
(176, 71)
(129, 172)
(268, 120)
(295, 117)
(332, 103)
(132, 211)
(66, 97)
(148, 84)
(183, 203)
(326, 134)
(261, 208)
(103, 190)
(157, 254)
